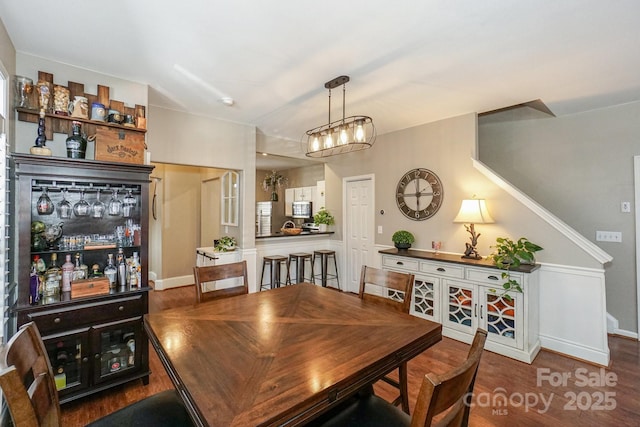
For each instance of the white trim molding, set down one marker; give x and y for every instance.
(582, 242)
(573, 312)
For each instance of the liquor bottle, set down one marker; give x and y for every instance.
(34, 284)
(41, 268)
(122, 269)
(111, 272)
(67, 274)
(76, 143)
(80, 271)
(52, 278)
(134, 271)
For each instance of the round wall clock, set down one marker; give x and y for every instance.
(419, 194)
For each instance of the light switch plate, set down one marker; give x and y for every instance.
(609, 236)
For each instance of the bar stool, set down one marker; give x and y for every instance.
(300, 258)
(275, 263)
(324, 255)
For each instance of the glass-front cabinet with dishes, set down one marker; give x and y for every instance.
(82, 267)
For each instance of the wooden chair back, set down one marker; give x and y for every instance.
(451, 391)
(213, 273)
(392, 284)
(27, 381)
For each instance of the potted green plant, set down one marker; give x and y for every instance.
(510, 255)
(225, 244)
(323, 219)
(402, 239)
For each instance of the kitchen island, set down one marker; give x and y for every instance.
(282, 244)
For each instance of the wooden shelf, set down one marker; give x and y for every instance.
(54, 123)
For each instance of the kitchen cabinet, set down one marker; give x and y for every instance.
(460, 294)
(313, 194)
(94, 338)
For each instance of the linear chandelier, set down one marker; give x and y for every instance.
(341, 136)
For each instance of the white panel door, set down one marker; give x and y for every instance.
(360, 229)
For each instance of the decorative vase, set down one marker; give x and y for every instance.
(274, 196)
(322, 228)
(402, 246)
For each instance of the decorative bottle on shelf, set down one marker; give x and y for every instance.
(76, 143)
(52, 278)
(34, 283)
(111, 272)
(80, 271)
(122, 269)
(67, 274)
(134, 271)
(41, 269)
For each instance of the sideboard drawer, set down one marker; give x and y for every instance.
(78, 315)
(492, 277)
(442, 269)
(400, 263)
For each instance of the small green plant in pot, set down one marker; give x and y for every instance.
(402, 239)
(225, 244)
(510, 255)
(323, 219)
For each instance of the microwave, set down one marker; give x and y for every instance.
(301, 210)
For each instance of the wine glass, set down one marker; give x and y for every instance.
(129, 204)
(45, 205)
(115, 205)
(64, 207)
(97, 207)
(81, 207)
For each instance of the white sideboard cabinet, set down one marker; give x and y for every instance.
(465, 294)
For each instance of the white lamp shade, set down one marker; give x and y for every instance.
(473, 211)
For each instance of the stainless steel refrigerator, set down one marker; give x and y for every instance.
(269, 217)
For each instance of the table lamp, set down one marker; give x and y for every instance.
(473, 211)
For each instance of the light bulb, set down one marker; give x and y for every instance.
(344, 137)
(359, 132)
(328, 141)
(315, 143)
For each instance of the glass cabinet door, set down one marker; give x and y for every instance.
(69, 356)
(114, 348)
(460, 309)
(504, 317)
(425, 301)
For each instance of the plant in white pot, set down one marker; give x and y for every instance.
(323, 219)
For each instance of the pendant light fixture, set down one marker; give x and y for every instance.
(341, 136)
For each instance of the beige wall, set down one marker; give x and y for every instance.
(8, 62)
(307, 176)
(579, 167)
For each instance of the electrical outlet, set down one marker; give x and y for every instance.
(609, 236)
(379, 229)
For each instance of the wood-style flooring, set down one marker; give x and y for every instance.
(553, 391)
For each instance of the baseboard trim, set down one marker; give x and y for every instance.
(172, 282)
(575, 350)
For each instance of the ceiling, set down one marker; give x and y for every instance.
(410, 62)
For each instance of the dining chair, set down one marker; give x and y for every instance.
(447, 396)
(30, 393)
(393, 290)
(212, 273)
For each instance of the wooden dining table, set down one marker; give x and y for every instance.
(282, 356)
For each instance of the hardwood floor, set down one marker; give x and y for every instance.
(507, 392)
